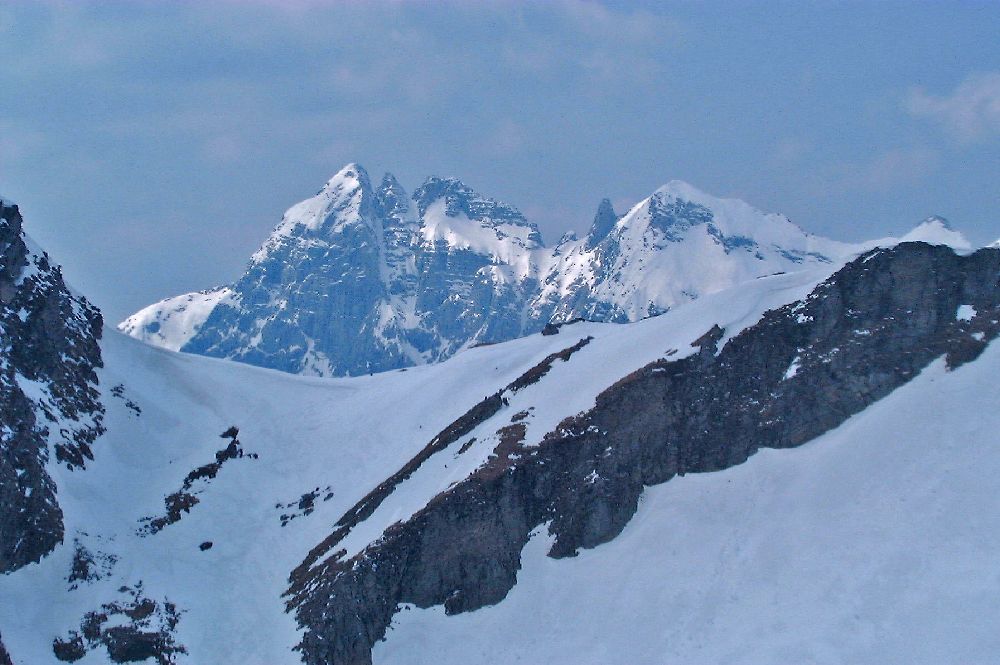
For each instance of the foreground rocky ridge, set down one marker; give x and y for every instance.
(48, 392)
(801, 371)
(362, 278)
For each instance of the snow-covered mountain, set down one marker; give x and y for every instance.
(796, 469)
(675, 246)
(362, 278)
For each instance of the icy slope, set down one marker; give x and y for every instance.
(874, 543)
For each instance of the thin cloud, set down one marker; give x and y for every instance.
(970, 113)
(891, 169)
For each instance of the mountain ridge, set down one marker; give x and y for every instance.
(362, 278)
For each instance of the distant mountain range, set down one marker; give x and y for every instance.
(363, 278)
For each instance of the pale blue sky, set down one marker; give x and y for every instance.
(152, 146)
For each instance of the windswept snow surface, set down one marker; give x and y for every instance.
(875, 543)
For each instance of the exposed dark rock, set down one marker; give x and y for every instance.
(604, 221)
(465, 446)
(472, 418)
(119, 392)
(89, 566)
(207, 545)
(184, 499)
(535, 374)
(48, 392)
(71, 649)
(142, 629)
(4, 656)
(553, 327)
(305, 505)
(801, 371)
(521, 415)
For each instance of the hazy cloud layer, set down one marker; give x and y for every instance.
(970, 112)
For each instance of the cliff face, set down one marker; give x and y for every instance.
(801, 371)
(48, 392)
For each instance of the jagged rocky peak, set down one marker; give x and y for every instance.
(677, 210)
(676, 206)
(345, 198)
(393, 198)
(604, 221)
(13, 251)
(450, 197)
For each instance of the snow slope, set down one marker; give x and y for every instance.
(308, 433)
(170, 323)
(343, 434)
(875, 543)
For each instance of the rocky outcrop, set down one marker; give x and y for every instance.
(604, 222)
(89, 566)
(49, 402)
(181, 502)
(802, 370)
(134, 629)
